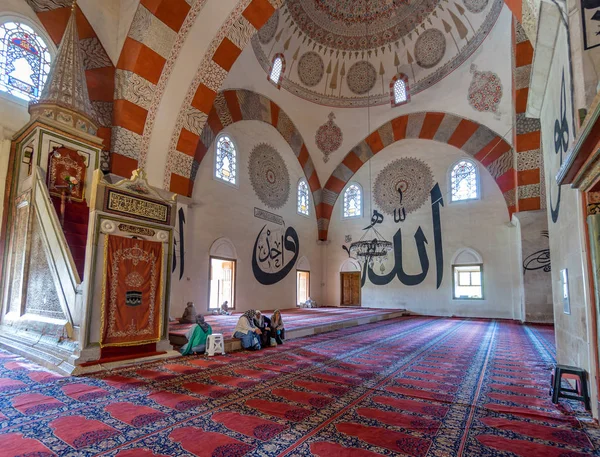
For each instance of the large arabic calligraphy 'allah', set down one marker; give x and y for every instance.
(269, 254)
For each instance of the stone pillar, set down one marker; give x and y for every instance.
(535, 266)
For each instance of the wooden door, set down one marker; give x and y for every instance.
(350, 284)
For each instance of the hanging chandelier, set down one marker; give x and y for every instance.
(372, 246)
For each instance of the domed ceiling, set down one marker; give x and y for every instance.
(345, 53)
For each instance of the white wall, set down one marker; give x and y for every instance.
(480, 225)
(567, 235)
(220, 210)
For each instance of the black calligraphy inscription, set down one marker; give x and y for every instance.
(268, 256)
(539, 260)
(561, 141)
(181, 246)
(421, 242)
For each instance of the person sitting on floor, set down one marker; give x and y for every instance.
(189, 315)
(224, 311)
(264, 324)
(247, 332)
(196, 337)
(277, 329)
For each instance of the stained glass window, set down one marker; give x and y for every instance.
(226, 160)
(276, 70)
(353, 201)
(303, 199)
(464, 181)
(399, 91)
(24, 61)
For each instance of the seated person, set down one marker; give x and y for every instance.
(189, 315)
(247, 332)
(277, 330)
(196, 336)
(224, 311)
(264, 324)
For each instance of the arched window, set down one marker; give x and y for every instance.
(226, 160)
(24, 60)
(467, 275)
(303, 198)
(464, 181)
(399, 91)
(277, 70)
(353, 201)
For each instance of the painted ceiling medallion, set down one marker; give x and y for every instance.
(361, 77)
(329, 137)
(269, 175)
(342, 23)
(475, 6)
(410, 175)
(485, 91)
(267, 31)
(344, 53)
(311, 69)
(430, 48)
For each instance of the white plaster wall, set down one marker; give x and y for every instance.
(449, 95)
(220, 210)
(536, 293)
(480, 225)
(567, 236)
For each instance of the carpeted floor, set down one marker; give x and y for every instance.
(410, 386)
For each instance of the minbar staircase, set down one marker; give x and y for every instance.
(75, 228)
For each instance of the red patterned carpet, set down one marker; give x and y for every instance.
(410, 386)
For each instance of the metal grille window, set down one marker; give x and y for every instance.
(275, 75)
(399, 91)
(24, 61)
(464, 181)
(226, 160)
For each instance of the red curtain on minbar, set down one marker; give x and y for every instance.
(132, 293)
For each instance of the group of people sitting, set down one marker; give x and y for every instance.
(255, 330)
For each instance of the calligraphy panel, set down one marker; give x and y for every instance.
(142, 208)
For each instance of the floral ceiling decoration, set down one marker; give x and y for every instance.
(269, 175)
(410, 177)
(329, 137)
(485, 91)
(344, 53)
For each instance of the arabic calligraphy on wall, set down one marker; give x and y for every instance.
(275, 253)
(561, 144)
(397, 270)
(539, 260)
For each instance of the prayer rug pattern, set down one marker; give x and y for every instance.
(414, 386)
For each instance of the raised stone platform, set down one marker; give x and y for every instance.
(298, 322)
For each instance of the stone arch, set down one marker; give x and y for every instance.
(350, 265)
(224, 248)
(146, 63)
(303, 264)
(466, 256)
(233, 106)
(476, 140)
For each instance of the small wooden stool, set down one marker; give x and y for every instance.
(215, 343)
(579, 393)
